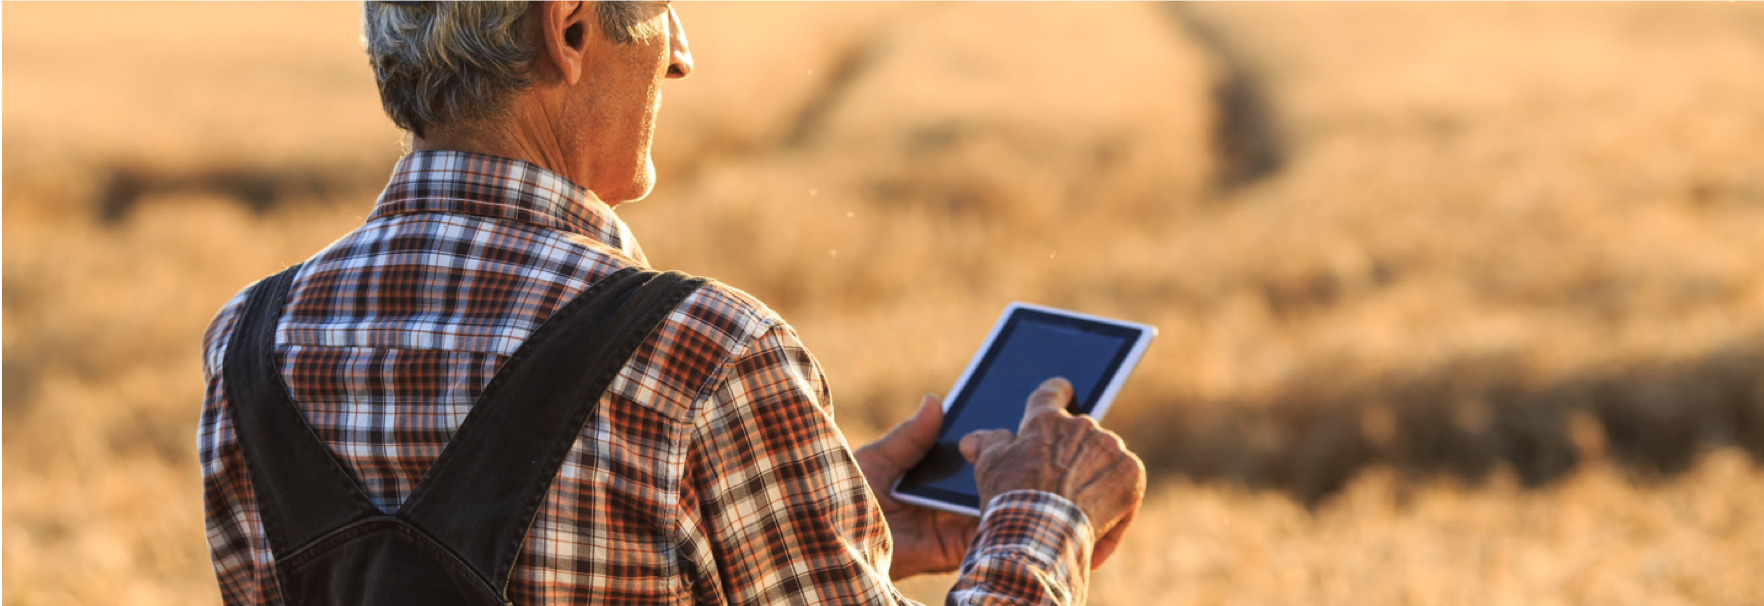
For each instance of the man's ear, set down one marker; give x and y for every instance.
(564, 28)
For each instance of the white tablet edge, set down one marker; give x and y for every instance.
(1128, 364)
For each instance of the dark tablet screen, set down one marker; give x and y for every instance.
(1031, 347)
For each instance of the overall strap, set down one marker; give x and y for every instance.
(481, 494)
(302, 491)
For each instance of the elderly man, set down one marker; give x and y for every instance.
(706, 469)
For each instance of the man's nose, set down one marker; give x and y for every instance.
(679, 56)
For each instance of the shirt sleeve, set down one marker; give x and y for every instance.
(775, 510)
(241, 558)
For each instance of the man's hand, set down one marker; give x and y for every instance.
(925, 540)
(1067, 455)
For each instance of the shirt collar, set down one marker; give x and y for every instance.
(500, 188)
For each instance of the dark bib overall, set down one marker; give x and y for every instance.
(454, 541)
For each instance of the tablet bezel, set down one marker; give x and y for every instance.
(1116, 380)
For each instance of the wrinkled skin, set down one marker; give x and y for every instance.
(1067, 455)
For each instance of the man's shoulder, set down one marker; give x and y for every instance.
(729, 316)
(219, 331)
(697, 349)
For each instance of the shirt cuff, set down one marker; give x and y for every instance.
(1043, 533)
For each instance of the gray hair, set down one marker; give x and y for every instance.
(458, 62)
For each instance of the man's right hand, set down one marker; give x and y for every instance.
(1071, 456)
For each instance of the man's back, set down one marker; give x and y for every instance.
(391, 333)
(712, 471)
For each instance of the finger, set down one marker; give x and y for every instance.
(907, 442)
(1125, 479)
(975, 444)
(1111, 540)
(1104, 548)
(1098, 454)
(1050, 398)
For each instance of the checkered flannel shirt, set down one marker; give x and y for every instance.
(712, 472)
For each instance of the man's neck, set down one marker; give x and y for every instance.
(518, 134)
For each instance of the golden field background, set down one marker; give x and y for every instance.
(1459, 304)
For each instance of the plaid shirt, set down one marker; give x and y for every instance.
(711, 473)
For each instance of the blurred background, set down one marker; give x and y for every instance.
(1459, 304)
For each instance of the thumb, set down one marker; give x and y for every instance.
(914, 437)
(923, 427)
(910, 440)
(975, 444)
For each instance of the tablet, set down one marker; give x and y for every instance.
(1028, 345)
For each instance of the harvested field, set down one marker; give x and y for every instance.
(1458, 303)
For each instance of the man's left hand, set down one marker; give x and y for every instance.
(925, 539)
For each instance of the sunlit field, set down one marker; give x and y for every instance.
(1458, 304)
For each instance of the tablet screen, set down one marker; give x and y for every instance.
(1031, 347)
